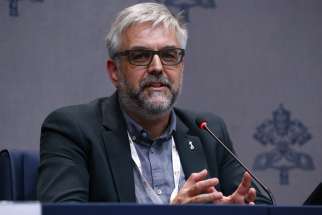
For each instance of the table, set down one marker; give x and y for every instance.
(133, 209)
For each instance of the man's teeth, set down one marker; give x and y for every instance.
(156, 85)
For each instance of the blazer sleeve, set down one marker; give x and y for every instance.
(63, 173)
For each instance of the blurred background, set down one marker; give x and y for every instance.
(257, 64)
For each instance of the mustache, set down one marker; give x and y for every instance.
(149, 80)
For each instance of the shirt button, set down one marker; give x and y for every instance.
(159, 191)
(134, 138)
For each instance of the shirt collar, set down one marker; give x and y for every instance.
(136, 131)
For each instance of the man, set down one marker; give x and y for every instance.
(135, 146)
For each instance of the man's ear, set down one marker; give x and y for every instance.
(111, 67)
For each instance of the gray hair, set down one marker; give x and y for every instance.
(155, 13)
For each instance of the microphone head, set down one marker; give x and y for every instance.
(202, 123)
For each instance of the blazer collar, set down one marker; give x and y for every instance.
(118, 149)
(112, 114)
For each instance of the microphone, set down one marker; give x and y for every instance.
(202, 124)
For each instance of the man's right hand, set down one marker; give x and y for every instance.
(198, 189)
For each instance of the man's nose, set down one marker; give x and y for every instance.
(156, 65)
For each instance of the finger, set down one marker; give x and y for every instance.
(251, 203)
(244, 185)
(225, 200)
(201, 198)
(219, 200)
(198, 176)
(207, 197)
(203, 186)
(251, 195)
(212, 189)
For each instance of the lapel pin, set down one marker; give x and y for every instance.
(192, 147)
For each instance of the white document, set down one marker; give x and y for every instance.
(20, 208)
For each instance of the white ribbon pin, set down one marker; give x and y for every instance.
(192, 147)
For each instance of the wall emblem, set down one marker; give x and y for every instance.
(13, 6)
(284, 136)
(186, 5)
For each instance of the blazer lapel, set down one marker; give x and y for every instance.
(118, 150)
(191, 152)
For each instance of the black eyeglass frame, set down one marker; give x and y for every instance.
(127, 53)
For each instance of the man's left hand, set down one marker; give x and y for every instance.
(244, 194)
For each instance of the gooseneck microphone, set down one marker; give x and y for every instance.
(202, 124)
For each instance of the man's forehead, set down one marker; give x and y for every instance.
(148, 26)
(146, 35)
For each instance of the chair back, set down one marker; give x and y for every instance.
(18, 175)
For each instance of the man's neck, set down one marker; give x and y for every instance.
(154, 125)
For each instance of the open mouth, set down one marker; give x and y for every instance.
(156, 85)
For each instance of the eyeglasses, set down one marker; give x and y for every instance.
(144, 57)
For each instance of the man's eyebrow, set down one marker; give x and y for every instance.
(169, 47)
(139, 48)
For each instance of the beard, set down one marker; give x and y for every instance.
(142, 101)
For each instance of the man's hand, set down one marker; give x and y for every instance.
(244, 194)
(197, 189)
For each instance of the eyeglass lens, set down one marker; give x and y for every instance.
(144, 57)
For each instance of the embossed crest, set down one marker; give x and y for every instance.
(283, 134)
(13, 6)
(186, 5)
